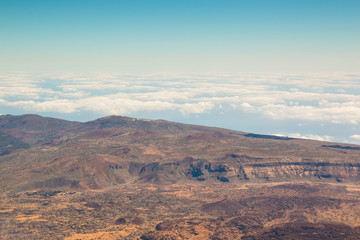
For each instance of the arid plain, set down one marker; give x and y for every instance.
(125, 178)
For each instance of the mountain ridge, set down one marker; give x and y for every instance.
(115, 150)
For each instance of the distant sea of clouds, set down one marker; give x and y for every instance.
(315, 106)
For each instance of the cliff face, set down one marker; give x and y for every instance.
(203, 170)
(298, 170)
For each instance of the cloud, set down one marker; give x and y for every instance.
(356, 136)
(200, 107)
(354, 139)
(307, 136)
(348, 113)
(60, 106)
(331, 98)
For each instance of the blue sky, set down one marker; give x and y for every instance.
(276, 67)
(180, 36)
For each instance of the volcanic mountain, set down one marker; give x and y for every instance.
(133, 178)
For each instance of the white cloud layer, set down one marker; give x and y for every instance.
(355, 136)
(307, 136)
(323, 98)
(315, 97)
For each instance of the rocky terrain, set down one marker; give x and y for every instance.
(126, 178)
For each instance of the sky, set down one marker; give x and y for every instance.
(273, 67)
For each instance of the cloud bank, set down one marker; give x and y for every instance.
(332, 98)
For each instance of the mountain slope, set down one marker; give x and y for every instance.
(116, 150)
(125, 178)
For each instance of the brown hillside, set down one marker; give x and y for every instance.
(125, 178)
